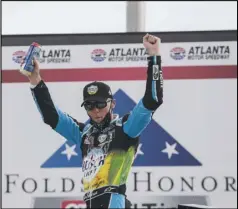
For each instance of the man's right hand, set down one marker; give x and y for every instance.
(35, 77)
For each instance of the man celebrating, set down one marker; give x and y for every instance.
(109, 142)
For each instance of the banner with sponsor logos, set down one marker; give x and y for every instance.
(187, 155)
(125, 55)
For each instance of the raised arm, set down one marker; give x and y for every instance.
(59, 121)
(141, 115)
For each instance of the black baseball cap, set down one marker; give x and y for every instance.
(96, 91)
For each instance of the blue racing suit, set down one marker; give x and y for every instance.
(107, 151)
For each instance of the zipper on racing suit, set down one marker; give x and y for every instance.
(90, 195)
(116, 116)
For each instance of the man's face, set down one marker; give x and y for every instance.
(98, 110)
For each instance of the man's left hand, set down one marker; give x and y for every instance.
(152, 44)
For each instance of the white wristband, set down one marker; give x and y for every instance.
(32, 86)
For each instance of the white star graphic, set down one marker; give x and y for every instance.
(69, 151)
(139, 151)
(170, 150)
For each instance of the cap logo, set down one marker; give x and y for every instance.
(92, 90)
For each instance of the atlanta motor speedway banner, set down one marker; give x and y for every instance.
(187, 155)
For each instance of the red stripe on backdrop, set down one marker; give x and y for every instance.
(121, 74)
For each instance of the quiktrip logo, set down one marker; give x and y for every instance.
(147, 202)
(157, 147)
(79, 204)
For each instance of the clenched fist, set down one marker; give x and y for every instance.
(152, 44)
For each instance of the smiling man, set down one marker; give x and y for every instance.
(108, 143)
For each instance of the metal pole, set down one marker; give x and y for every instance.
(135, 19)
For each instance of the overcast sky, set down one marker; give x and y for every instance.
(94, 17)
